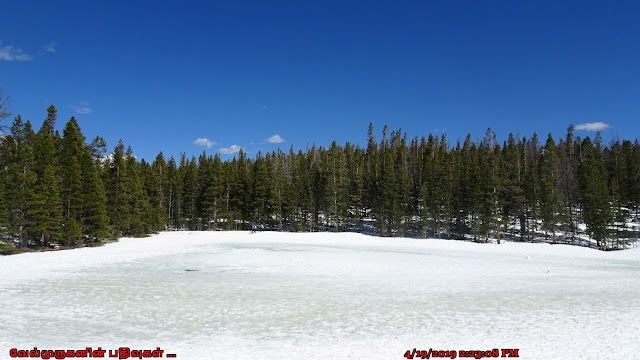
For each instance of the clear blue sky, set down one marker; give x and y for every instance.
(162, 74)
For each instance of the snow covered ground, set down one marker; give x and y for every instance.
(322, 295)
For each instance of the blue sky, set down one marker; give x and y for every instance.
(161, 75)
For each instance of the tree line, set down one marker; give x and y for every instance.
(63, 189)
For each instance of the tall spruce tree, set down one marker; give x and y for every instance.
(95, 221)
(72, 145)
(190, 194)
(136, 211)
(594, 194)
(550, 199)
(568, 184)
(4, 218)
(45, 209)
(118, 205)
(20, 176)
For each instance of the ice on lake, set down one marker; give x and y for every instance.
(322, 295)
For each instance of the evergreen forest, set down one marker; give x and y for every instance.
(64, 190)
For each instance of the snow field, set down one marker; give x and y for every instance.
(322, 296)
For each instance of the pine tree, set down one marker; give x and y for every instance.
(371, 178)
(633, 177)
(20, 177)
(95, 219)
(428, 188)
(438, 203)
(71, 233)
(4, 216)
(211, 193)
(550, 200)
(404, 183)
(72, 145)
(616, 164)
(190, 194)
(289, 197)
(138, 201)
(318, 187)
(45, 209)
(240, 192)
(465, 194)
(98, 147)
(262, 190)
(336, 187)
(389, 210)
(4, 109)
(356, 193)
(152, 216)
(457, 173)
(568, 184)
(531, 190)
(594, 194)
(174, 193)
(302, 196)
(512, 189)
(44, 147)
(280, 183)
(486, 187)
(155, 184)
(118, 205)
(228, 181)
(48, 127)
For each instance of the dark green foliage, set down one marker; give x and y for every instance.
(45, 210)
(71, 233)
(263, 191)
(211, 191)
(118, 205)
(550, 199)
(20, 177)
(136, 219)
(72, 145)
(95, 220)
(190, 194)
(60, 189)
(98, 147)
(173, 194)
(48, 127)
(4, 219)
(594, 194)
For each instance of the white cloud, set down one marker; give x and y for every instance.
(275, 139)
(51, 48)
(594, 126)
(82, 109)
(230, 150)
(204, 142)
(9, 53)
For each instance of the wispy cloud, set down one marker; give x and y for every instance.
(10, 53)
(230, 150)
(51, 47)
(204, 142)
(82, 109)
(594, 126)
(275, 139)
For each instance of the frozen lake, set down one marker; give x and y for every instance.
(325, 296)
